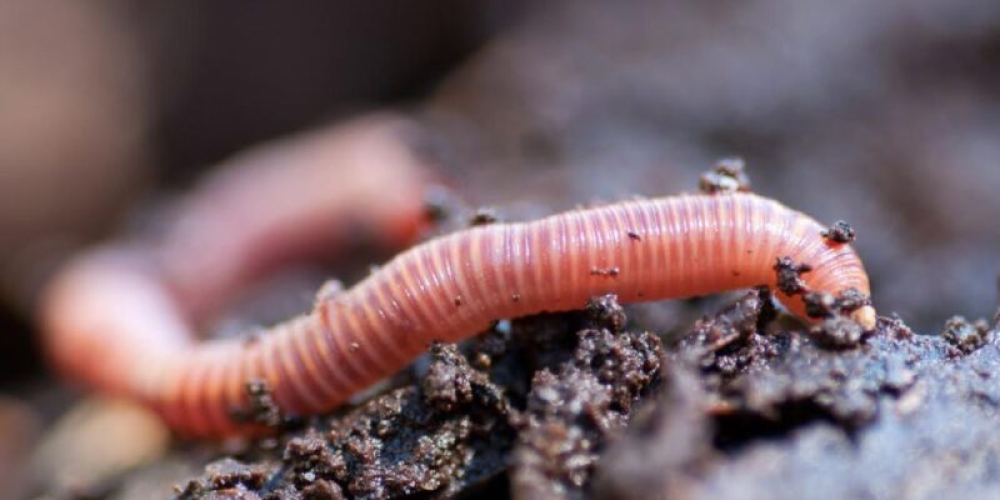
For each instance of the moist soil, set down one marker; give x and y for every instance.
(586, 405)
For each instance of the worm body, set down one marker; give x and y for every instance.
(445, 289)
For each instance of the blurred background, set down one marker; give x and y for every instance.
(885, 114)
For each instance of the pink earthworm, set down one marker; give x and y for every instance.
(118, 315)
(117, 325)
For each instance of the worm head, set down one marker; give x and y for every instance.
(865, 317)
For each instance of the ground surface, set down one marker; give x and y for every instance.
(575, 406)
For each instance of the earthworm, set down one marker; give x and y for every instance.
(445, 289)
(115, 315)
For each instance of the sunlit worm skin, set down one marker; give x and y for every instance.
(455, 286)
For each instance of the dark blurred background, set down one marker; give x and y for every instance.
(885, 114)
(107, 106)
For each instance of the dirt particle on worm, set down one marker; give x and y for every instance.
(852, 299)
(610, 272)
(726, 176)
(261, 407)
(790, 276)
(634, 235)
(840, 232)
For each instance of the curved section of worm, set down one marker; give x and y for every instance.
(122, 317)
(297, 199)
(448, 289)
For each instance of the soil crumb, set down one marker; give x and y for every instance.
(261, 408)
(965, 335)
(790, 276)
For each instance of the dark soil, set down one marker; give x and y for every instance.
(576, 406)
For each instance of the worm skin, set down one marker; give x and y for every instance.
(294, 200)
(120, 316)
(448, 289)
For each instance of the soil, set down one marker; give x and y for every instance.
(578, 406)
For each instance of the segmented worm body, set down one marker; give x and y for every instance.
(117, 325)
